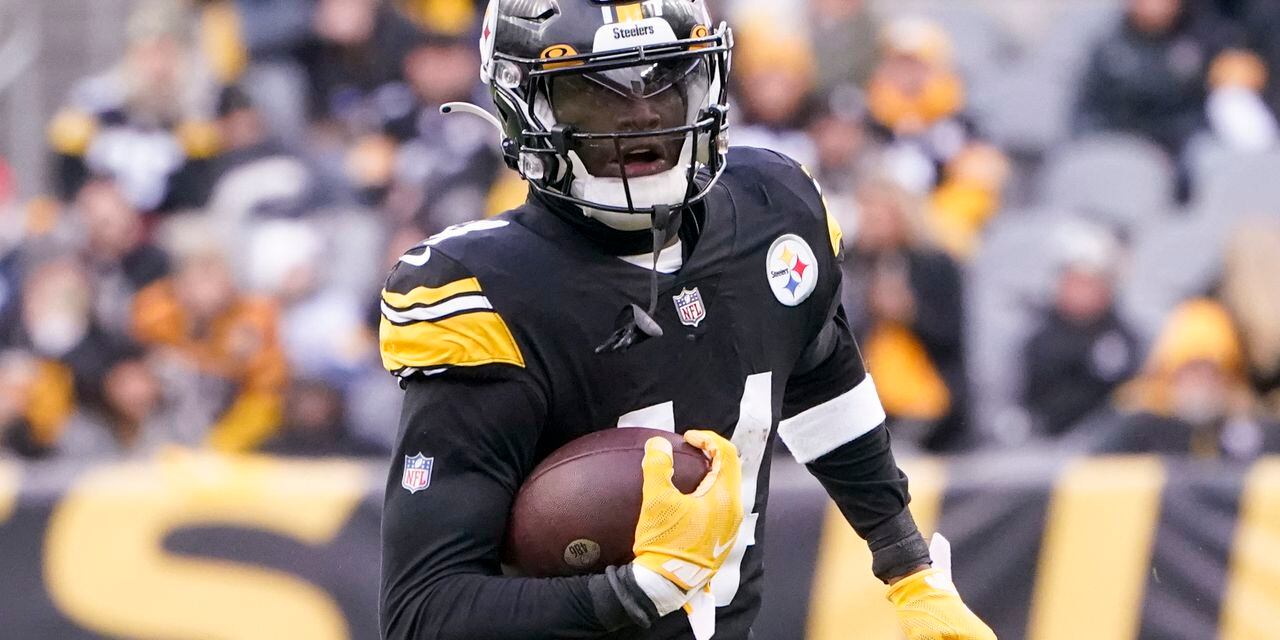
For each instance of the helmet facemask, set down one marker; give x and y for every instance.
(622, 134)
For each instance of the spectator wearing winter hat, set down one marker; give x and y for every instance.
(929, 144)
(1082, 349)
(915, 103)
(774, 91)
(147, 122)
(1148, 77)
(1192, 397)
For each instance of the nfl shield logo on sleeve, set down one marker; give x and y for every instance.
(417, 473)
(690, 308)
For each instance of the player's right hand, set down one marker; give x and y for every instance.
(686, 538)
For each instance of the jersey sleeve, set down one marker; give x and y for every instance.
(437, 316)
(830, 399)
(465, 446)
(835, 235)
(834, 423)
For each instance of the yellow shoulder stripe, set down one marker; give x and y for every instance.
(467, 340)
(833, 230)
(833, 226)
(430, 295)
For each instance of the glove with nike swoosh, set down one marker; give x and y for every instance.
(928, 605)
(682, 540)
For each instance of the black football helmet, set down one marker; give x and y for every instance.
(545, 59)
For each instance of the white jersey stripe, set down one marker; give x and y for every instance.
(436, 311)
(820, 430)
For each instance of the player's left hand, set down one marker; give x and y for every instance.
(929, 607)
(686, 538)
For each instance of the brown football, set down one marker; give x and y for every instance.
(576, 513)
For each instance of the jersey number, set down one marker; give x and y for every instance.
(751, 437)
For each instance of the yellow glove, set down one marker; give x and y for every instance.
(929, 607)
(685, 538)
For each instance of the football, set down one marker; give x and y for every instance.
(576, 513)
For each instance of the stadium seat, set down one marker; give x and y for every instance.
(1027, 107)
(1229, 185)
(1169, 263)
(1072, 29)
(1115, 179)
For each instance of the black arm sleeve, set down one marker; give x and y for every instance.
(861, 475)
(871, 491)
(441, 544)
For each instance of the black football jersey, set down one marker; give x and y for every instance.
(525, 291)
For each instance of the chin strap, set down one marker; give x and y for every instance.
(636, 324)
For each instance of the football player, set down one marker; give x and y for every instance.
(655, 277)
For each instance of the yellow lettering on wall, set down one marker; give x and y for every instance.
(10, 477)
(106, 568)
(848, 601)
(1251, 605)
(1097, 550)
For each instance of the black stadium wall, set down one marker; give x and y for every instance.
(195, 546)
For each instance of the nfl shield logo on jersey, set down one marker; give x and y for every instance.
(417, 473)
(690, 308)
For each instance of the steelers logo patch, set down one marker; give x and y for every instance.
(792, 269)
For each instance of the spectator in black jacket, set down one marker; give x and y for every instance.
(1082, 350)
(353, 63)
(119, 256)
(1148, 76)
(1262, 23)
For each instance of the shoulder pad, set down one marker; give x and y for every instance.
(436, 316)
(783, 177)
(834, 233)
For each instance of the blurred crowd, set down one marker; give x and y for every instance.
(228, 195)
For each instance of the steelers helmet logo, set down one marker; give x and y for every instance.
(792, 269)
